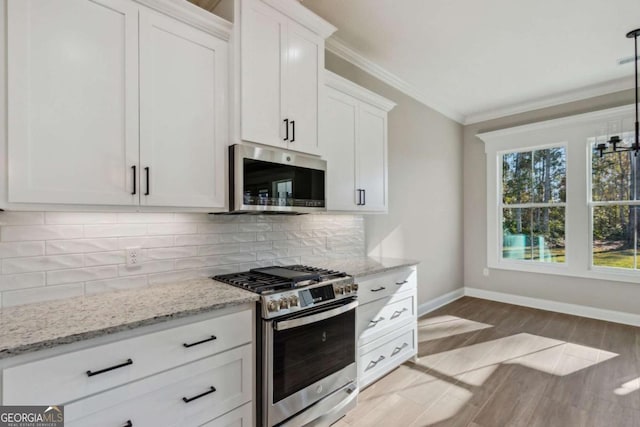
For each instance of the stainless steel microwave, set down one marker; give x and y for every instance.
(275, 181)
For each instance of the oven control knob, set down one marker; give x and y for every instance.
(272, 306)
(340, 290)
(293, 301)
(354, 287)
(347, 289)
(284, 304)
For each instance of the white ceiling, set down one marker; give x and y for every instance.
(478, 59)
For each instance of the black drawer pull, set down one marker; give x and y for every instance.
(189, 399)
(293, 131)
(286, 127)
(375, 362)
(399, 349)
(375, 322)
(146, 171)
(128, 424)
(213, 338)
(135, 190)
(381, 288)
(102, 371)
(402, 283)
(397, 313)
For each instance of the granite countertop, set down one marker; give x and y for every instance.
(365, 266)
(33, 327)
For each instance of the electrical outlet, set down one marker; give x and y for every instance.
(133, 255)
(485, 272)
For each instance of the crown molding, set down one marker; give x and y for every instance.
(340, 49)
(350, 88)
(564, 98)
(293, 9)
(193, 15)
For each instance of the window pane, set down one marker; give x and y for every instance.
(548, 235)
(516, 233)
(549, 175)
(516, 178)
(614, 230)
(614, 176)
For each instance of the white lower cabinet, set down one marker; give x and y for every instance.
(386, 322)
(182, 376)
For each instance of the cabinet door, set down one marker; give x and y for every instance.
(338, 136)
(304, 58)
(183, 114)
(371, 148)
(263, 54)
(72, 101)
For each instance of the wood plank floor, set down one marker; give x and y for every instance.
(488, 364)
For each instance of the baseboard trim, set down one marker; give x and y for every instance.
(438, 302)
(559, 307)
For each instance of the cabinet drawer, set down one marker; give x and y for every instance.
(159, 399)
(241, 417)
(66, 377)
(381, 316)
(382, 355)
(371, 288)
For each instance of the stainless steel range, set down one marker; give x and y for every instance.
(306, 343)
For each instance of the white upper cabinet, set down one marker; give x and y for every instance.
(353, 134)
(72, 101)
(108, 101)
(281, 53)
(183, 119)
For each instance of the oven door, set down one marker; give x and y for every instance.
(308, 356)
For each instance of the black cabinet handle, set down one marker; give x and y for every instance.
(189, 399)
(375, 322)
(359, 197)
(374, 362)
(398, 313)
(135, 190)
(381, 288)
(364, 197)
(293, 130)
(402, 283)
(146, 171)
(102, 371)
(213, 337)
(128, 424)
(399, 349)
(286, 127)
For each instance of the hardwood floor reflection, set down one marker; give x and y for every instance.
(488, 364)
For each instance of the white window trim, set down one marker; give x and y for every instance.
(572, 132)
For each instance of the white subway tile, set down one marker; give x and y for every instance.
(189, 263)
(105, 258)
(47, 293)
(108, 285)
(145, 268)
(276, 253)
(173, 228)
(41, 263)
(262, 226)
(237, 237)
(173, 276)
(197, 239)
(20, 281)
(191, 217)
(80, 218)
(144, 218)
(301, 251)
(272, 235)
(169, 253)
(115, 230)
(21, 249)
(81, 274)
(284, 244)
(313, 242)
(21, 218)
(145, 242)
(286, 226)
(55, 247)
(12, 233)
(214, 227)
(286, 261)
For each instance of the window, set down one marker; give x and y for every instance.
(615, 190)
(533, 189)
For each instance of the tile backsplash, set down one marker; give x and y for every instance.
(54, 255)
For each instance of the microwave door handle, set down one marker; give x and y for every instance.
(294, 323)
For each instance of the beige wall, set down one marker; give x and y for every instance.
(425, 189)
(596, 293)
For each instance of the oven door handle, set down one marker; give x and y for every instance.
(294, 323)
